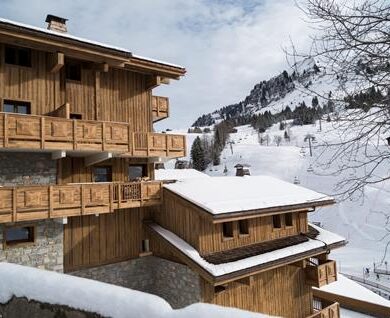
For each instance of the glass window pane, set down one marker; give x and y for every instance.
(19, 234)
(22, 109)
(24, 57)
(136, 172)
(8, 108)
(10, 55)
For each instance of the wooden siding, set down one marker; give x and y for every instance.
(183, 218)
(26, 203)
(53, 133)
(117, 95)
(92, 241)
(277, 292)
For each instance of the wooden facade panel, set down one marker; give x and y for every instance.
(278, 292)
(116, 95)
(92, 241)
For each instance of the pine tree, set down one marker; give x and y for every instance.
(197, 155)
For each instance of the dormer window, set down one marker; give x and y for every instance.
(17, 56)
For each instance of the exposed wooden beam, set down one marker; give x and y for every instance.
(153, 82)
(103, 67)
(96, 158)
(247, 281)
(58, 154)
(165, 80)
(55, 62)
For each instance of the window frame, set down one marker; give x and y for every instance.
(285, 219)
(19, 243)
(227, 227)
(279, 217)
(17, 56)
(144, 167)
(16, 102)
(94, 174)
(246, 226)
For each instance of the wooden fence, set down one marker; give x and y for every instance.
(31, 132)
(26, 203)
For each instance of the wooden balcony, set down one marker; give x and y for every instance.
(160, 108)
(26, 203)
(320, 272)
(331, 311)
(46, 133)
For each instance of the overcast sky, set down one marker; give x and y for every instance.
(227, 46)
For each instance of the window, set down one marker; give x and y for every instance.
(19, 235)
(18, 56)
(75, 116)
(220, 289)
(145, 246)
(11, 106)
(243, 227)
(102, 174)
(137, 171)
(227, 229)
(288, 218)
(277, 222)
(73, 71)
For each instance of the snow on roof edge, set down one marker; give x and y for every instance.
(84, 40)
(324, 237)
(98, 297)
(178, 174)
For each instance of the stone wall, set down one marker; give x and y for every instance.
(17, 168)
(174, 282)
(45, 253)
(19, 307)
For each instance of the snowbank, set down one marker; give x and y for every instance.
(226, 268)
(219, 195)
(178, 174)
(101, 298)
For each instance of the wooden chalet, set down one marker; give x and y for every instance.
(79, 192)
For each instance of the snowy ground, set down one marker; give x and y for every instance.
(362, 222)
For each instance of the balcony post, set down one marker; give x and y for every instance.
(14, 204)
(50, 201)
(74, 134)
(5, 134)
(42, 132)
(82, 198)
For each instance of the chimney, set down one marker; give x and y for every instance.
(55, 23)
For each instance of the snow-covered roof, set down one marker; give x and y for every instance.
(83, 40)
(348, 288)
(97, 297)
(324, 237)
(219, 195)
(178, 174)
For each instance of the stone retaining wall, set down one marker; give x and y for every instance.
(174, 282)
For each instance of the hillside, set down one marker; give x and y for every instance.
(276, 94)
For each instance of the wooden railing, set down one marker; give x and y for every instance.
(320, 274)
(26, 203)
(160, 107)
(31, 132)
(332, 311)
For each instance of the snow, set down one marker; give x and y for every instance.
(231, 194)
(80, 39)
(348, 288)
(178, 174)
(227, 268)
(346, 313)
(101, 298)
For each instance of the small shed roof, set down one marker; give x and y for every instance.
(178, 174)
(221, 195)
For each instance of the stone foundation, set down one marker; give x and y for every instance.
(45, 253)
(174, 282)
(17, 168)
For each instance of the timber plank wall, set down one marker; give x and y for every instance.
(116, 95)
(187, 221)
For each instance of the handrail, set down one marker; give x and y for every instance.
(18, 131)
(25, 203)
(332, 311)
